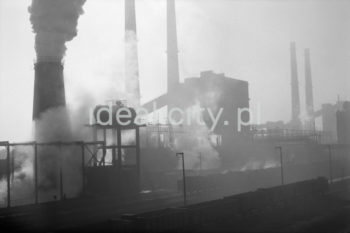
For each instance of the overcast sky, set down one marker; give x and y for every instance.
(246, 40)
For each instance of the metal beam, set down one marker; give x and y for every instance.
(8, 171)
(36, 174)
(83, 171)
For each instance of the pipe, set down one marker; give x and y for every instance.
(36, 173)
(8, 171)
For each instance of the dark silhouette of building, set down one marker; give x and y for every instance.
(343, 124)
(329, 121)
(309, 96)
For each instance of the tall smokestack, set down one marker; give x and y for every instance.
(130, 16)
(295, 88)
(54, 23)
(49, 91)
(172, 50)
(132, 83)
(309, 98)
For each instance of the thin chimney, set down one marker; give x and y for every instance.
(172, 49)
(132, 83)
(130, 16)
(49, 91)
(309, 98)
(295, 88)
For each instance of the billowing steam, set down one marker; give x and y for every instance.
(22, 174)
(54, 23)
(22, 186)
(197, 146)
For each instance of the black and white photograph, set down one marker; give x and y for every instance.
(175, 116)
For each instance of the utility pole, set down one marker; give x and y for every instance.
(183, 176)
(83, 170)
(36, 173)
(200, 162)
(61, 171)
(330, 164)
(281, 161)
(8, 172)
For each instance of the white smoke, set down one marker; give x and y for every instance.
(21, 180)
(196, 143)
(54, 23)
(132, 86)
(255, 164)
(53, 125)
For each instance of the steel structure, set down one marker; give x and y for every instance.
(35, 145)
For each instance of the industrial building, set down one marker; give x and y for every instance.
(343, 124)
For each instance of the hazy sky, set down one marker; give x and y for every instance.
(247, 40)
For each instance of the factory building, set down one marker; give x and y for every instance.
(215, 92)
(343, 124)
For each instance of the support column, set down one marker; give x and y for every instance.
(119, 138)
(138, 158)
(83, 167)
(104, 148)
(115, 142)
(8, 175)
(95, 146)
(36, 173)
(61, 173)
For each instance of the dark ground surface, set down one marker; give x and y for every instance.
(331, 213)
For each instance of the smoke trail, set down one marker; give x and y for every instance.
(132, 86)
(54, 23)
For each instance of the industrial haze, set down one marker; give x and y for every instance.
(174, 115)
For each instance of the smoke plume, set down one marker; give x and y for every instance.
(199, 150)
(54, 23)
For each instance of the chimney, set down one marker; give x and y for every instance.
(172, 50)
(309, 98)
(132, 83)
(49, 91)
(296, 124)
(130, 16)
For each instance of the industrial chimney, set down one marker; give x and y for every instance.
(172, 50)
(132, 83)
(295, 122)
(309, 98)
(54, 23)
(49, 91)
